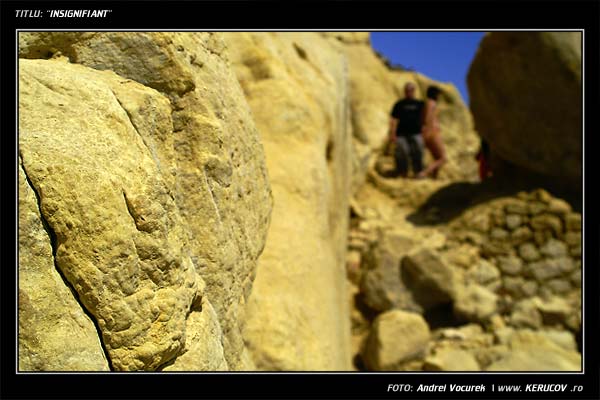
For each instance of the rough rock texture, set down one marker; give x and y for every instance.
(297, 87)
(382, 284)
(533, 351)
(150, 192)
(56, 333)
(525, 89)
(509, 274)
(396, 337)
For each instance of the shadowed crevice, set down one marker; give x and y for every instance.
(54, 244)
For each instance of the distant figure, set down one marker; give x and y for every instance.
(483, 156)
(405, 132)
(431, 134)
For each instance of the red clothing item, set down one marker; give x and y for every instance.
(484, 167)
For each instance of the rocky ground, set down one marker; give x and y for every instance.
(484, 280)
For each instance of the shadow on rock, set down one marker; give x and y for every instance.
(452, 200)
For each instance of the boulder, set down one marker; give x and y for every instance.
(396, 337)
(475, 303)
(429, 278)
(151, 146)
(517, 75)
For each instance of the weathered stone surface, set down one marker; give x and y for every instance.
(111, 219)
(197, 137)
(382, 286)
(530, 351)
(547, 221)
(450, 359)
(521, 235)
(511, 72)
(554, 248)
(203, 349)
(429, 278)
(297, 87)
(573, 222)
(510, 265)
(525, 314)
(550, 268)
(529, 252)
(484, 272)
(513, 221)
(554, 310)
(475, 303)
(55, 334)
(396, 336)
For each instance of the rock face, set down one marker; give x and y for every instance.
(396, 337)
(56, 334)
(297, 87)
(525, 90)
(152, 180)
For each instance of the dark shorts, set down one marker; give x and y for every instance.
(409, 151)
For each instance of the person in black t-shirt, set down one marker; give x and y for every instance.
(405, 131)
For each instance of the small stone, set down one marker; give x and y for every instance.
(554, 310)
(535, 208)
(498, 234)
(546, 221)
(541, 237)
(510, 265)
(484, 272)
(517, 207)
(554, 248)
(513, 221)
(526, 315)
(496, 322)
(573, 239)
(543, 196)
(480, 222)
(529, 252)
(549, 268)
(425, 272)
(576, 278)
(559, 286)
(450, 359)
(525, 196)
(573, 222)
(521, 235)
(559, 207)
(396, 337)
(475, 303)
(529, 288)
(513, 285)
(490, 248)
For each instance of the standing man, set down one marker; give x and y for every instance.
(405, 131)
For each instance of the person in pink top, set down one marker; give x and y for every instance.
(431, 134)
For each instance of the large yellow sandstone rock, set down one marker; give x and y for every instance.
(175, 176)
(526, 98)
(55, 332)
(296, 85)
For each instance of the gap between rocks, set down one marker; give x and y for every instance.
(53, 243)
